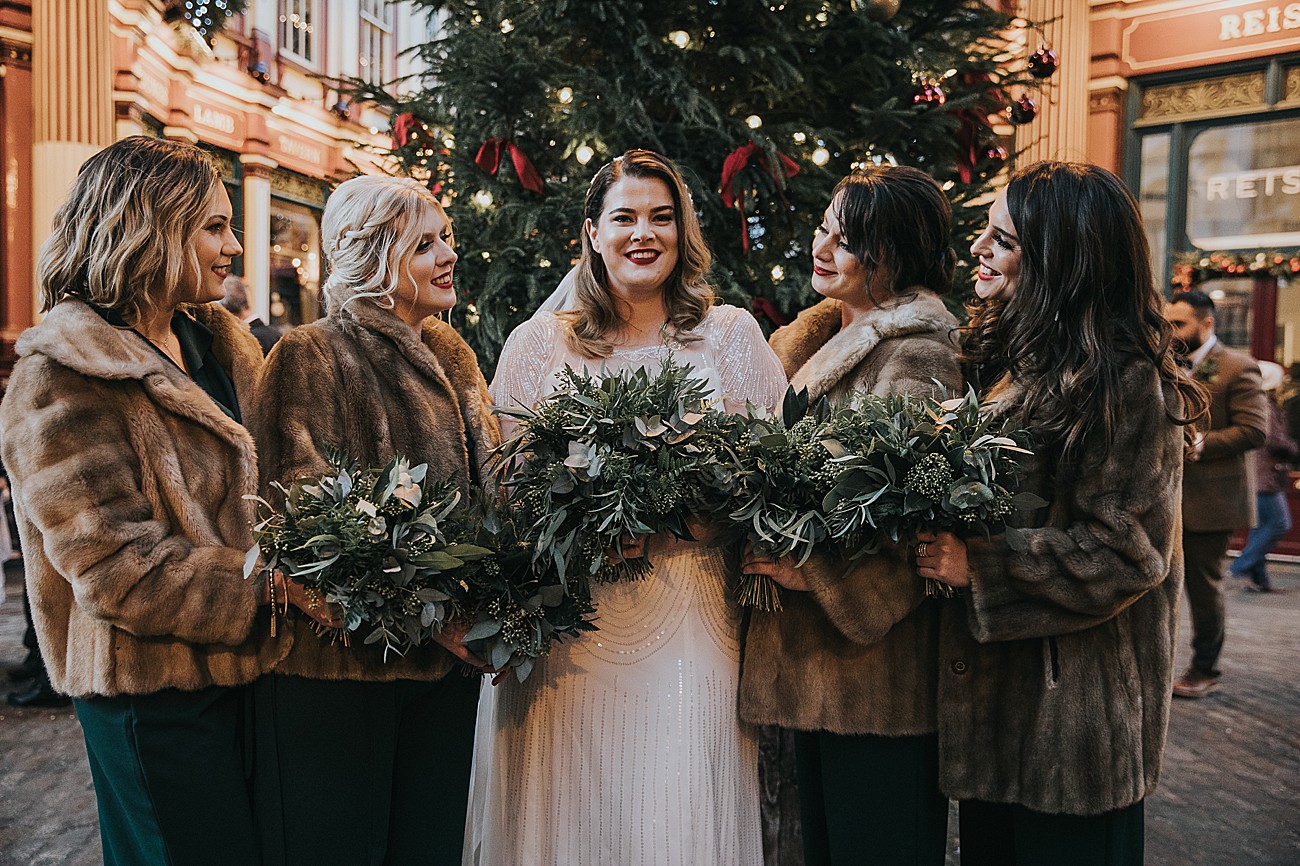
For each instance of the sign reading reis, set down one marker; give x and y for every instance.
(1219, 31)
(1257, 22)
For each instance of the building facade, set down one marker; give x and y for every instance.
(78, 74)
(1197, 105)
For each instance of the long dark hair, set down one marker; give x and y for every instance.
(1084, 302)
(895, 219)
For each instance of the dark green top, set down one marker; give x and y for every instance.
(196, 347)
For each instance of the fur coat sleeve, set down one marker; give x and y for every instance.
(1107, 537)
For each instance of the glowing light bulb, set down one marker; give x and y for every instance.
(800, 138)
(821, 156)
(507, 25)
(753, 121)
(565, 95)
(680, 38)
(778, 273)
(483, 198)
(584, 154)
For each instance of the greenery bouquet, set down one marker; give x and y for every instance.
(925, 464)
(402, 557)
(609, 456)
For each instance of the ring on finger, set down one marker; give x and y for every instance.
(921, 549)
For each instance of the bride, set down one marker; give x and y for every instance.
(624, 747)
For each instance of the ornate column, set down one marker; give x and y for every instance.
(1061, 129)
(16, 273)
(73, 99)
(257, 231)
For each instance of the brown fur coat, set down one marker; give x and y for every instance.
(1056, 668)
(858, 654)
(362, 381)
(128, 484)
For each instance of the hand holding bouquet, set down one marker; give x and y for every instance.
(928, 465)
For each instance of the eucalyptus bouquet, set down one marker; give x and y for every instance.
(789, 466)
(614, 455)
(785, 472)
(374, 542)
(925, 464)
(520, 610)
(402, 557)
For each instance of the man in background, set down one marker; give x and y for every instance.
(1218, 491)
(236, 301)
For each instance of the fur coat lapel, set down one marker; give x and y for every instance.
(440, 354)
(842, 349)
(75, 336)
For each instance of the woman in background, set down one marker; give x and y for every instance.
(1273, 464)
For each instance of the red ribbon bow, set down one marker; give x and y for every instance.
(763, 307)
(737, 160)
(402, 126)
(489, 159)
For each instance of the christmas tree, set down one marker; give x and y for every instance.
(764, 105)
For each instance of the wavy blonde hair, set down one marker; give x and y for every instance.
(123, 238)
(688, 293)
(369, 233)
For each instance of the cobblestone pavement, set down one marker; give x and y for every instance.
(1230, 795)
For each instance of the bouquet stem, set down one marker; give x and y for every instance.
(759, 592)
(938, 589)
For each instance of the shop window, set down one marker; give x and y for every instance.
(295, 264)
(1243, 186)
(298, 30)
(376, 34)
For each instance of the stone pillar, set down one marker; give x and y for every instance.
(257, 231)
(1061, 129)
(73, 99)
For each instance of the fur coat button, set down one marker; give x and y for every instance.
(958, 667)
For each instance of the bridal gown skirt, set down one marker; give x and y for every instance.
(624, 746)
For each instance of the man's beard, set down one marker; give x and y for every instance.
(1187, 347)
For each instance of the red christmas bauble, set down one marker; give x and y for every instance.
(1023, 110)
(929, 93)
(1043, 63)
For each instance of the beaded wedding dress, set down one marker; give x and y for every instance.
(624, 747)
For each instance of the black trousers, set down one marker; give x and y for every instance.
(169, 777)
(870, 799)
(362, 773)
(1001, 834)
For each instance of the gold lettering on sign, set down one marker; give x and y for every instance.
(1257, 22)
(301, 149)
(1264, 182)
(218, 120)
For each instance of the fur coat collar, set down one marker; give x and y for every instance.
(819, 353)
(75, 336)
